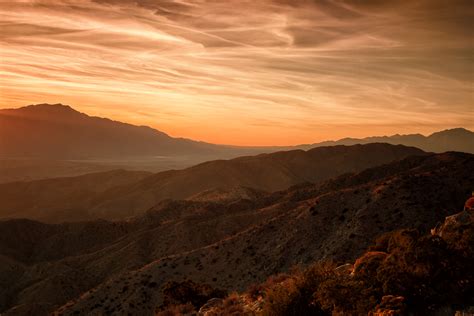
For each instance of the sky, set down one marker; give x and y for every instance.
(259, 72)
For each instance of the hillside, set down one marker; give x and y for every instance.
(56, 200)
(119, 267)
(456, 139)
(404, 272)
(62, 198)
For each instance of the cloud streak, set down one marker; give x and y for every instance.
(222, 71)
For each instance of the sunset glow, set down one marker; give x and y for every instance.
(270, 72)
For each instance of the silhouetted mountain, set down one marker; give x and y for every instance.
(58, 131)
(121, 267)
(457, 139)
(56, 200)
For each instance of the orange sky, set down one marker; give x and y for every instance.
(267, 72)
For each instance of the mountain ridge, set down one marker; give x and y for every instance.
(428, 143)
(60, 131)
(53, 201)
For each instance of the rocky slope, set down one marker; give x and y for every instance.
(119, 267)
(405, 272)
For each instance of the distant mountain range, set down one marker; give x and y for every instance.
(56, 131)
(120, 194)
(101, 267)
(456, 139)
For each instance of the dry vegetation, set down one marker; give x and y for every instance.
(404, 272)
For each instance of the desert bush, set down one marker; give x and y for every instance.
(231, 305)
(178, 293)
(258, 290)
(343, 295)
(294, 295)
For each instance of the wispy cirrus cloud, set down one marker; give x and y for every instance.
(222, 71)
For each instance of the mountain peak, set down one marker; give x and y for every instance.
(46, 112)
(58, 107)
(454, 131)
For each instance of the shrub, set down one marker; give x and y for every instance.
(231, 305)
(258, 290)
(294, 295)
(179, 293)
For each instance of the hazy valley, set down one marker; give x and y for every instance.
(119, 193)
